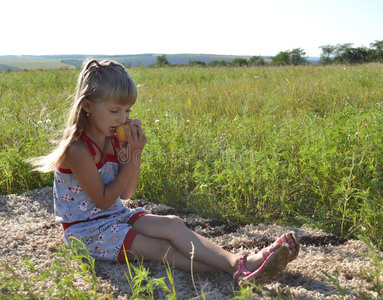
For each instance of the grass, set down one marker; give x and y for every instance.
(289, 145)
(72, 275)
(67, 266)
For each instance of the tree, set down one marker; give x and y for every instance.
(256, 61)
(377, 51)
(197, 63)
(342, 52)
(294, 57)
(346, 54)
(298, 57)
(239, 62)
(327, 54)
(216, 63)
(281, 59)
(378, 45)
(162, 61)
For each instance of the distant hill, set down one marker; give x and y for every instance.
(5, 68)
(46, 62)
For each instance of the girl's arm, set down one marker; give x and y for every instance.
(133, 182)
(83, 167)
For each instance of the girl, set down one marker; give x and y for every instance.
(93, 170)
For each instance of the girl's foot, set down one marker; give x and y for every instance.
(269, 262)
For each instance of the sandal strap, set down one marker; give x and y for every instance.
(242, 270)
(282, 240)
(269, 250)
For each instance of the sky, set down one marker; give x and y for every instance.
(236, 27)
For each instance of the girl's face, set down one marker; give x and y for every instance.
(104, 117)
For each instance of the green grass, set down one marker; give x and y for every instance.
(292, 145)
(71, 275)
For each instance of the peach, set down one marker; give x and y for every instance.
(121, 134)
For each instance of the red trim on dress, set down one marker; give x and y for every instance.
(128, 241)
(129, 238)
(136, 216)
(67, 225)
(65, 171)
(107, 157)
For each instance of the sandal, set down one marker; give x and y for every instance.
(282, 240)
(272, 266)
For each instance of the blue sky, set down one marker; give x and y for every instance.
(240, 27)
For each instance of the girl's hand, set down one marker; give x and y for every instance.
(138, 138)
(129, 157)
(131, 151)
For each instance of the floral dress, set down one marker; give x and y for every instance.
(103, 231)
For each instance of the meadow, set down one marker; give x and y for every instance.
(285, 145)
(32, 63)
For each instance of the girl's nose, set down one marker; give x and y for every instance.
(121, 118)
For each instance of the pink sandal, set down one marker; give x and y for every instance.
(275, 257)
(282, 240)
(272, 266)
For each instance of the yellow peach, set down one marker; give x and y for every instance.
(121, 134)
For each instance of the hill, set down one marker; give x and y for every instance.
(28, 62)
(47, 62)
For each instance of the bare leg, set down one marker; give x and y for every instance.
(173, 234)
(153, 249)
(173, 230)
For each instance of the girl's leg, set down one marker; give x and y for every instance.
(154, 249)
(173, 230)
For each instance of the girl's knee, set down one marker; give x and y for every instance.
(176, 229)
(164, 227)
(176, 223)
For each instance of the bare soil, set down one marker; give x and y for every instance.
(28, 229)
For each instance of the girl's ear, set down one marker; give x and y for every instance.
(86, 106)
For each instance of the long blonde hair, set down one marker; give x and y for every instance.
(98, 82)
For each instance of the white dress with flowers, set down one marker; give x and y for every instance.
(102, 230)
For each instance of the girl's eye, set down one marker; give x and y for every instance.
(114, 111)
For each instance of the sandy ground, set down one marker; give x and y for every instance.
(28, 229)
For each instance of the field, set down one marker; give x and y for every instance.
(292, 146)
(28, 63)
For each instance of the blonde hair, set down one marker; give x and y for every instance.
(98, 82)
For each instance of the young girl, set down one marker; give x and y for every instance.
(93, 170)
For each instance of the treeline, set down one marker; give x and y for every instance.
(346, 54)
(162, 61)
(339, 54)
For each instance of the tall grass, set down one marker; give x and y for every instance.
(292, 145)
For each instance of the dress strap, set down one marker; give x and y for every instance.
(115, 144)
(89, 142)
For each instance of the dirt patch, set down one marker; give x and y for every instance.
(28, 229)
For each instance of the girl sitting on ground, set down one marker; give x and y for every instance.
(93, 170)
